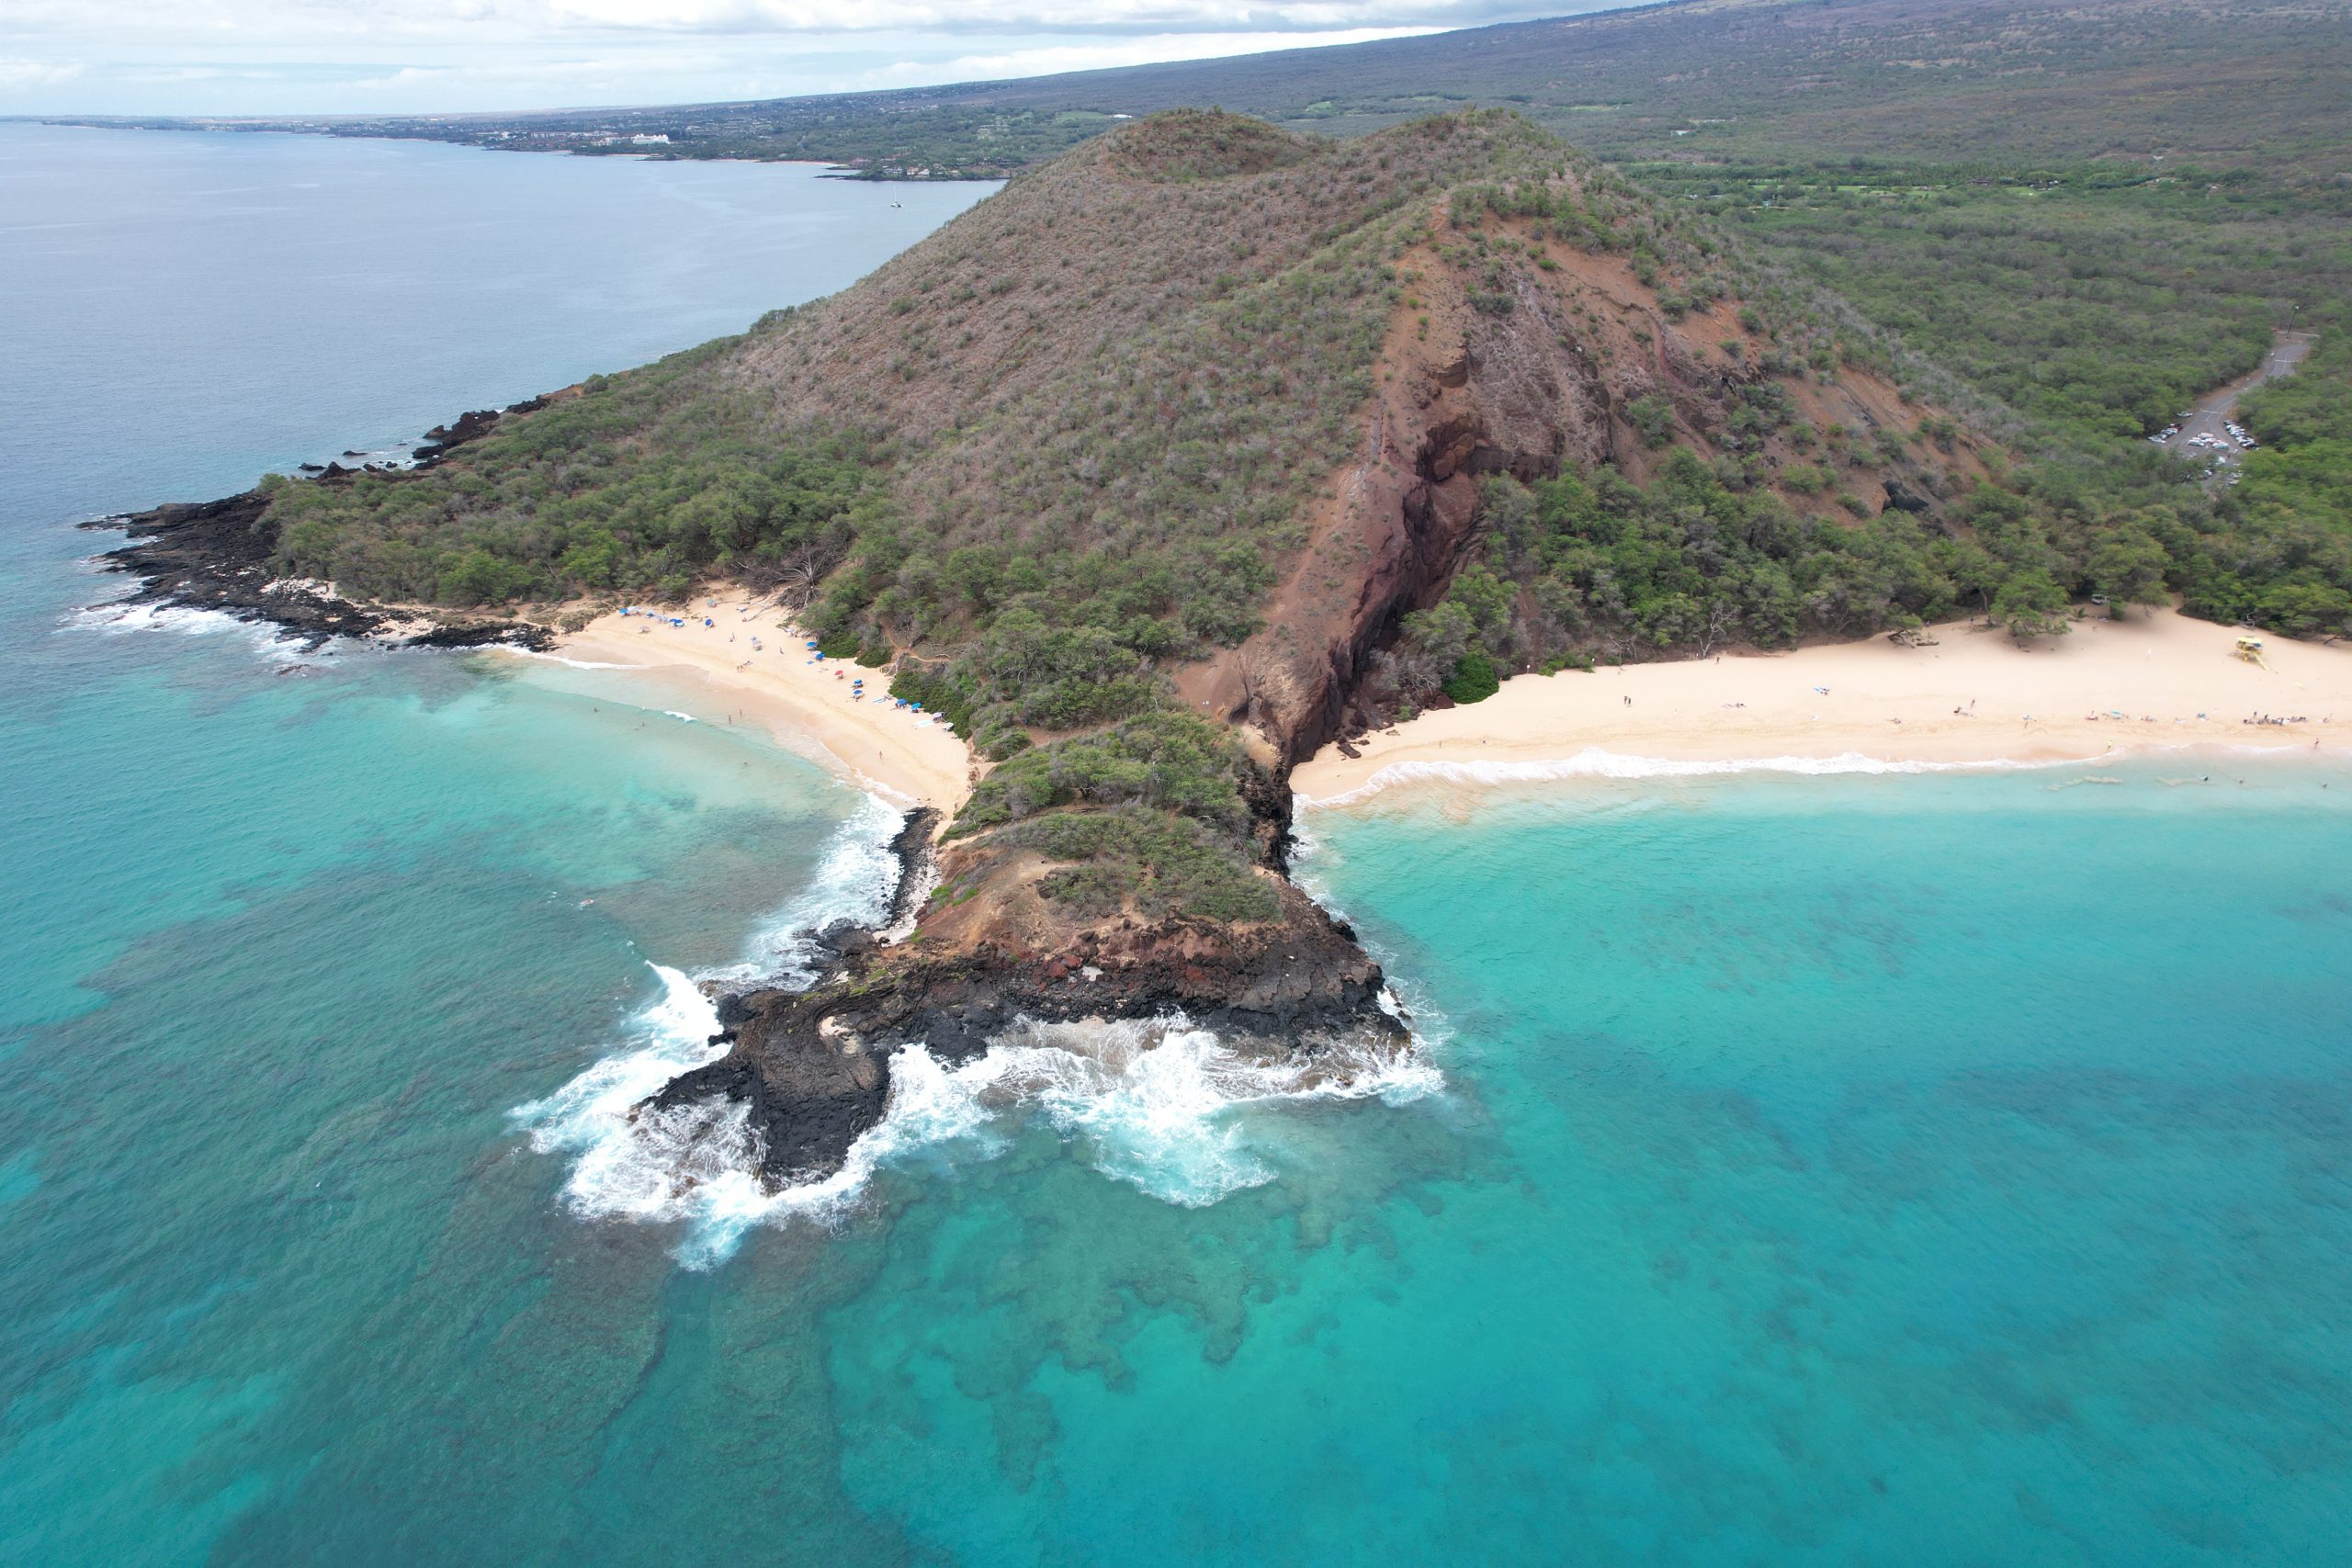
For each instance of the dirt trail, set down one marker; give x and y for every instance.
(2213, 411)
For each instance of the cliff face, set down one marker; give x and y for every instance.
(1524, 374)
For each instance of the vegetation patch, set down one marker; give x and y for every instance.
(1208, 145)
(2277, 548)
(1168, 761)
(1589, 567)
(1152, 862)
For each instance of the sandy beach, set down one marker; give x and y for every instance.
(2155, 681)
(806, 704)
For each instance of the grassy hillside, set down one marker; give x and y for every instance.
(1097, 398)
(1090, 434)
(2088, 212)
(1211, 424)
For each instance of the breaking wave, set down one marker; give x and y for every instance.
(855, 880)
(1155, 1103)
(1159, 1104)
(121, 618)
(568, 662)
(1592, 762)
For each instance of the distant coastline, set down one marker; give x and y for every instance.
(580, 144)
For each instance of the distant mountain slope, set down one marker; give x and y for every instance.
(1946, 77)
(2093, 212)
(2238, 80)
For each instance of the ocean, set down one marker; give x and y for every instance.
(1907, 1167)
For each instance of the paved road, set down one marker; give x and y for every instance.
(2214, 411)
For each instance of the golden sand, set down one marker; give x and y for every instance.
(2155, 681)
(806, 704)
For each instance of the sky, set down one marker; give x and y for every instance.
(311, 57)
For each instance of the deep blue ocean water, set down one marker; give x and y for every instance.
(1922, 1170)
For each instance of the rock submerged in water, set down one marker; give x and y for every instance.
(812, 1067)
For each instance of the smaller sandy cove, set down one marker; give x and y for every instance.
(808, 705)
(2156, 681)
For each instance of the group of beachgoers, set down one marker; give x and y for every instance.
(816, 655)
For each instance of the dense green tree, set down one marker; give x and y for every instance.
(2031, 604)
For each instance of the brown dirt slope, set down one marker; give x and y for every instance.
(1465, 390)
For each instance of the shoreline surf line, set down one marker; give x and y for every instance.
(1594, 764)
(1971, 699)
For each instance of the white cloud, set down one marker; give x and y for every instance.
(288, 20)
(1003, 15)
(16, 75)
(305, 57)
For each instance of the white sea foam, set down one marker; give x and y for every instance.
(572, 663)
(698, 1164)
(640, 1171)
(1592, 762)
(116, 618)
(855, 879)
(1159, 1104)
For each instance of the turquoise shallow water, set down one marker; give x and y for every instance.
(1935, 1170)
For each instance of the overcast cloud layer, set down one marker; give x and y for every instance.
(396, 56)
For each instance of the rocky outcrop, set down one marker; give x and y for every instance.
(475, 423)
(221, 554)
(812, 1067)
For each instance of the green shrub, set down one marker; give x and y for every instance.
(2031, 604)
(1652, 418)
(1166, 759)
(1167, 864)
(1475, 679)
